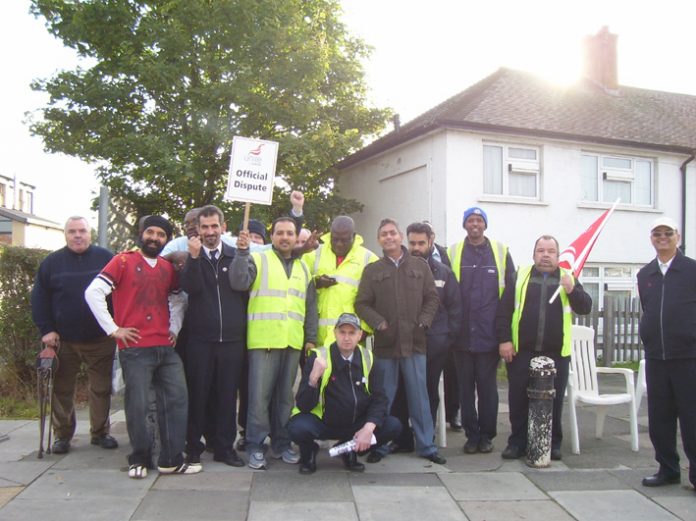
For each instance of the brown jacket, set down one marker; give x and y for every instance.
(405, 297)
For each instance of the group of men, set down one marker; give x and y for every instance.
(253, 313)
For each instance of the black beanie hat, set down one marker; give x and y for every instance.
(160, 222)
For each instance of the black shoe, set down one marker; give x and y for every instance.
(374, 457)
(105, 442)
(513, 452)
(659, 480)
(61, 446)
(470, 447)
(230, 458)
(350, 462)
(395, 448)
(310, 466)
(436, 458)
(455, 426)
(556, 455)
(485, 446)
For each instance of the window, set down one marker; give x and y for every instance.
(511, 170)
(614, 280)
(3, 194)
(607, 178)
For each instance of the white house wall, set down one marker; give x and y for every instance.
(440, 175)
(36, 236)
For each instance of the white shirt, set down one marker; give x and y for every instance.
(664, 266)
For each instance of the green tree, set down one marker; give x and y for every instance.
(166, 84)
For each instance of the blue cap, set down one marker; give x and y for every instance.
(475, 210)
(349, 319)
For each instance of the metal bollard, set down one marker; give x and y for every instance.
(541, 392)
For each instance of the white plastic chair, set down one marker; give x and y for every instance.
(441, 427)
(583, 387)
(641, 384)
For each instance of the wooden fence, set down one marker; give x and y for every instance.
(620, 316)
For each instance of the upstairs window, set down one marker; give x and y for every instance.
(511, 170)
(607, 178)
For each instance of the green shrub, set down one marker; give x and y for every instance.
(19, 338)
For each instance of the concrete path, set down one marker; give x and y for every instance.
(601, 483)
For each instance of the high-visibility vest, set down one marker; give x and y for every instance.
(276, 310)
(523, 275)
(500, 252)
(339, 298)
(325, 353)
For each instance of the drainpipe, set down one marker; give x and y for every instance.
(682, 168)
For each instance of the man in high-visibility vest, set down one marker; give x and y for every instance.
(282, 320)
(483, 267)
(337, 265)
(341, 398)
(527, 326)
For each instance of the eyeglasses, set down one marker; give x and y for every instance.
(657, 235)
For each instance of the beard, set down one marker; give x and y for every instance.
(151, 249)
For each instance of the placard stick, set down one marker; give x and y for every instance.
(247, 210)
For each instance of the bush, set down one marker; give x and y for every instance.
(19, 338)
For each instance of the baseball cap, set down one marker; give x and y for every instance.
(475, 210)
(664, 221)
(349, 319)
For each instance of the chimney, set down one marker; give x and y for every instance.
(600, 59)
(396, 121)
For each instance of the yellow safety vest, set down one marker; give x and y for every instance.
(500, 251)
(324, 352)
(276, 309)
(339, 298)
(521, 295)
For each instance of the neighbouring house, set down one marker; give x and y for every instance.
(18, 224)
(540, 159)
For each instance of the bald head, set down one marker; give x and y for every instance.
(342, 235)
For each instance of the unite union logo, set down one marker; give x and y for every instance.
(254, 155)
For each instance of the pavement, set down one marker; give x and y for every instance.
(603, 482)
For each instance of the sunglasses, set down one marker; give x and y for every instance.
(657, 235)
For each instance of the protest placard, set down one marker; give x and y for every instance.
(252, 170)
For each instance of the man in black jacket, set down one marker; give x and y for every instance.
(341, 398)
(216, 318)
(667, 288)
(67, 325)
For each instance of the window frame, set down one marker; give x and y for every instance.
(616, 174)
(514, 165)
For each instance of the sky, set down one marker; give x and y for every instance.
(423, 53)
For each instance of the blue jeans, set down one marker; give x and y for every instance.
(413, 370)
(160, 367)
(271, 375)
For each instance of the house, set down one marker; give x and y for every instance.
(540, 159)
(18, 224)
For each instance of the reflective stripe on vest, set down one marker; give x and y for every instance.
(323, 352)
(456, 251)
(523, 275)
(276, 309)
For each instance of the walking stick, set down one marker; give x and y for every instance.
(46, 366)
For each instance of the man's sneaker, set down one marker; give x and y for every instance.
(436, 458)
(137, 471)
(470, 447)
(230, 458)
(105, 442)
(184, 468)
(257, 461)
(61, 446)
(289, 456)
(513, 452)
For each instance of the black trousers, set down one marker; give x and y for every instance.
(213, 372)
(451, 388)
(476, 375)
(518, 381)
(672, 397)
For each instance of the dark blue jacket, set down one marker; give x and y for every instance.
(668, 324)
(216, 312)
(448, 318)
(58, 298)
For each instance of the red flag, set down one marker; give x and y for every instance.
(574, 256)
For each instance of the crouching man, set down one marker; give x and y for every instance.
(340, 399)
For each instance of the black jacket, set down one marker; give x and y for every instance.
(216, 312)
(346, 400)
(668, 324)
(449, 313)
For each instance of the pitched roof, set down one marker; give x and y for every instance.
(516, 102)
(28, 218)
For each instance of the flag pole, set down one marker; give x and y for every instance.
(585, 253)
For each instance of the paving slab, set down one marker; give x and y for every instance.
(320, 486)
(512, 510)
(634, 477)
(684, 507)
(111, 509)
(407, 463)
(83, 455)
(610, 505)
(7, 493)
(577, 480)
(231, 481)
(379, 503)
(395, 480)
(25, 471)
(491, 486)
(88, 484)
(185, 505)
(302, 511)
